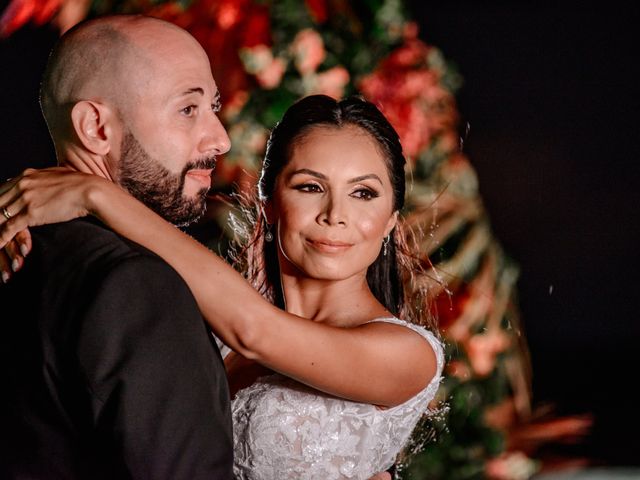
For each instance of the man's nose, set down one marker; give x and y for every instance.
(214, 138)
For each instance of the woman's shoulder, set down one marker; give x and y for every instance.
(431, 337)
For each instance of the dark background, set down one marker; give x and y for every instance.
(550, 94)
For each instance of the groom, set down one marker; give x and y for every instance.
(108, 369)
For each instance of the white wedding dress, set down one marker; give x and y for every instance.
(285, 430)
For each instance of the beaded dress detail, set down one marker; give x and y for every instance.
(286, 430)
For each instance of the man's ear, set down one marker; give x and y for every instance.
(93, 123)
(393, 220)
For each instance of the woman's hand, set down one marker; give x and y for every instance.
(38, 197)
(13, 253)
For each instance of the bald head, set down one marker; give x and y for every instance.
(106, 59)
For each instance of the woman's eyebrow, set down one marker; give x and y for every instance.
(321, 176)
(307, 171)
(365, 177)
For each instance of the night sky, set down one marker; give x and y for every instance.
(551, 97)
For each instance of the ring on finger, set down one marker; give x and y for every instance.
(6, 213)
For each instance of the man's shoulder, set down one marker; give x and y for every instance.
(85, 255)
(87, 238)
(86, 248)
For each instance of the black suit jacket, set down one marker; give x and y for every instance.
(109, 371)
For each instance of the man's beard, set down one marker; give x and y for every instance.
(158, 188)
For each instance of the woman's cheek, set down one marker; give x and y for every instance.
(370, 227)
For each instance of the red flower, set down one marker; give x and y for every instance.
(448, 307)
(257, 27)
(410, 94)
(318, 10)
(19, 12)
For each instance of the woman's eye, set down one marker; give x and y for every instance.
(365, 194)
(308, 187)
(216, 107)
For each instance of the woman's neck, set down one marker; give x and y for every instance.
(344, 303)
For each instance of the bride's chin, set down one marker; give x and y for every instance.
(331, 273)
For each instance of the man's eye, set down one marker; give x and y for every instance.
(188, 111)
(365, 194)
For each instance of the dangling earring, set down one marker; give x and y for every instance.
(268, 236)
(385, 244)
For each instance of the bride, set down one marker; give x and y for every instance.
(348, 363)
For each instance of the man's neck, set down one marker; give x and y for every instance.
(84, 162)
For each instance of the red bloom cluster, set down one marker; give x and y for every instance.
(410, 93)
(19, 12)
(318, 9)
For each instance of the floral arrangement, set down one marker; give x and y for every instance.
(271, 53)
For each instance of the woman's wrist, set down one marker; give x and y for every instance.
(96, 194)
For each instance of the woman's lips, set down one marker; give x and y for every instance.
(201, 176)
(329, 246)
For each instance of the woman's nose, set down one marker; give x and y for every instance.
(333, 211)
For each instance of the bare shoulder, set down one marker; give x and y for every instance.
(394, 329)
(405, 343)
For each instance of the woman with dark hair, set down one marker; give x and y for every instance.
(356, 363)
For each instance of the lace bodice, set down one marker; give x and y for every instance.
(286, 430)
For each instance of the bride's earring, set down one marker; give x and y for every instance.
(385, 244)
(268, 236)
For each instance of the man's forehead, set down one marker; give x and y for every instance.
(175, 74)
(156, 58)
(164, 44)
(199, 91)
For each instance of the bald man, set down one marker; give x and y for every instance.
(108, 370)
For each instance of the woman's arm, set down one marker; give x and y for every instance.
(377, 363)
